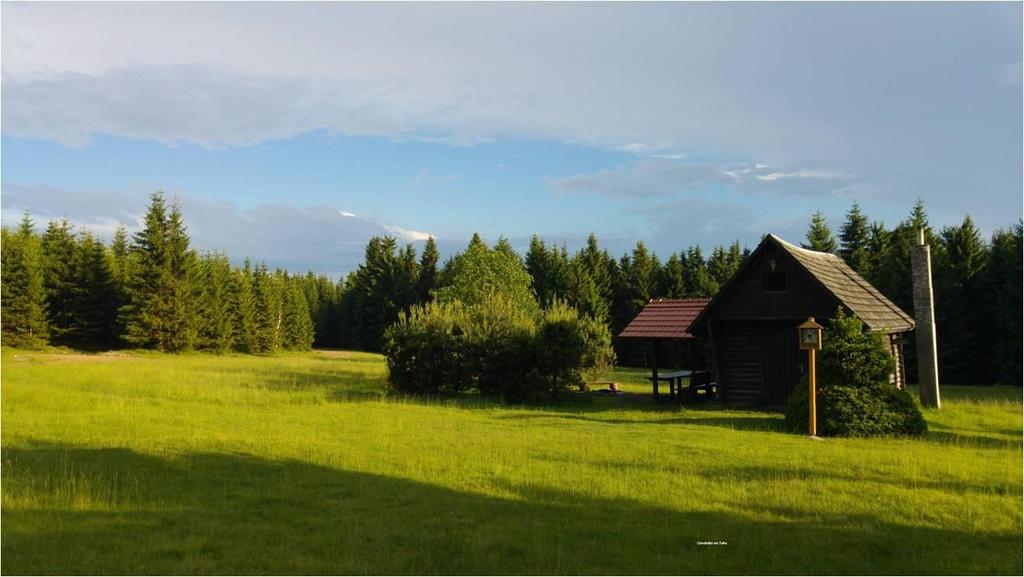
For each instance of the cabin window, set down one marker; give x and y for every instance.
(774, 280)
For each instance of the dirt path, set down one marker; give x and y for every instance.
(334, 354)
(54, 358)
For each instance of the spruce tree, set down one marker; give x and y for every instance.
(243, 310)
(267, 291)
(297, 322)
(1004, 305)
(819, 235)
(327, 322)
(640, 272)
(583, 291)
(536, 265)
(588, 283)
(879, 240)
(184, 272)
(673, 280)
(23, 296)
(347, 322)
(719, 268)
(216, 326)
(95, 300)
(855, 236)
(736, 257)
(427, 281)
(149, 310)
(373, 307)
(60, 279)
(406, 278)
(119, 265)
(600, 265)
(549, 269)
(960, 311)
(699, 283)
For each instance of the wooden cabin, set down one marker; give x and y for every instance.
(750, 325)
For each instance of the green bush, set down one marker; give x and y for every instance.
(498, 343)
(598, 353)
(482, 275)
(424, 350)
(854, 395)
(494, 347)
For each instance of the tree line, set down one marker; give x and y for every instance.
(977, 287)
(155, 291)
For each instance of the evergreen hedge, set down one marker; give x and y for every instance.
(854, 395)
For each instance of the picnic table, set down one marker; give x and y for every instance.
(698, 380)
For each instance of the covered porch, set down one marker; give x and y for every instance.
(664, 321)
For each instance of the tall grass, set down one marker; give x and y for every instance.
(148, 463)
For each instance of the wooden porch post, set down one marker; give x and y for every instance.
(654, 366)
(715, 368)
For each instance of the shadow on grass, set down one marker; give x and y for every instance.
(736, 422)
(975, 441)
(98, 511)
(340, 383)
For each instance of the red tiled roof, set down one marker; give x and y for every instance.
(665, 319)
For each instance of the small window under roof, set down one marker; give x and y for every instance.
(773, 280)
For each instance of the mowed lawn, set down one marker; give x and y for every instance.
(145, 463)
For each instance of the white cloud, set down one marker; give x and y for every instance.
(667, 177)
(647, 79)
(884, 92)
(407, 234)
(319, 238)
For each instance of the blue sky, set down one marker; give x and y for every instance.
(292, 133)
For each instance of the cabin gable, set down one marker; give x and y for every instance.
(785, 291)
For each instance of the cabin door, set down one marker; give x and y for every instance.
(782, 363)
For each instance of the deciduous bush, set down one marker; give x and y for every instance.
(494, 347)
(854, 395)
(425, 350)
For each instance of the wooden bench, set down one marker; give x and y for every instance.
(700, 383)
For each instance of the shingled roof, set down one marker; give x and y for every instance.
(665, 319)
(857, 294)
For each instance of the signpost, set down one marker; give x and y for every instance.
(809, 334)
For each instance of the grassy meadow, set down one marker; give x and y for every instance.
(148, 463)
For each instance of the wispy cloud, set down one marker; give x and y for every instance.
(425, 177)
(654, 177)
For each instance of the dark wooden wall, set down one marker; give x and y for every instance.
(803, 296)
(754, 330)
(738, 356)
(759, 362)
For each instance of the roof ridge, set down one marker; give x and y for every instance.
(847, 272)
(802, 249)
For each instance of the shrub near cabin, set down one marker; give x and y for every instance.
(854, 395)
